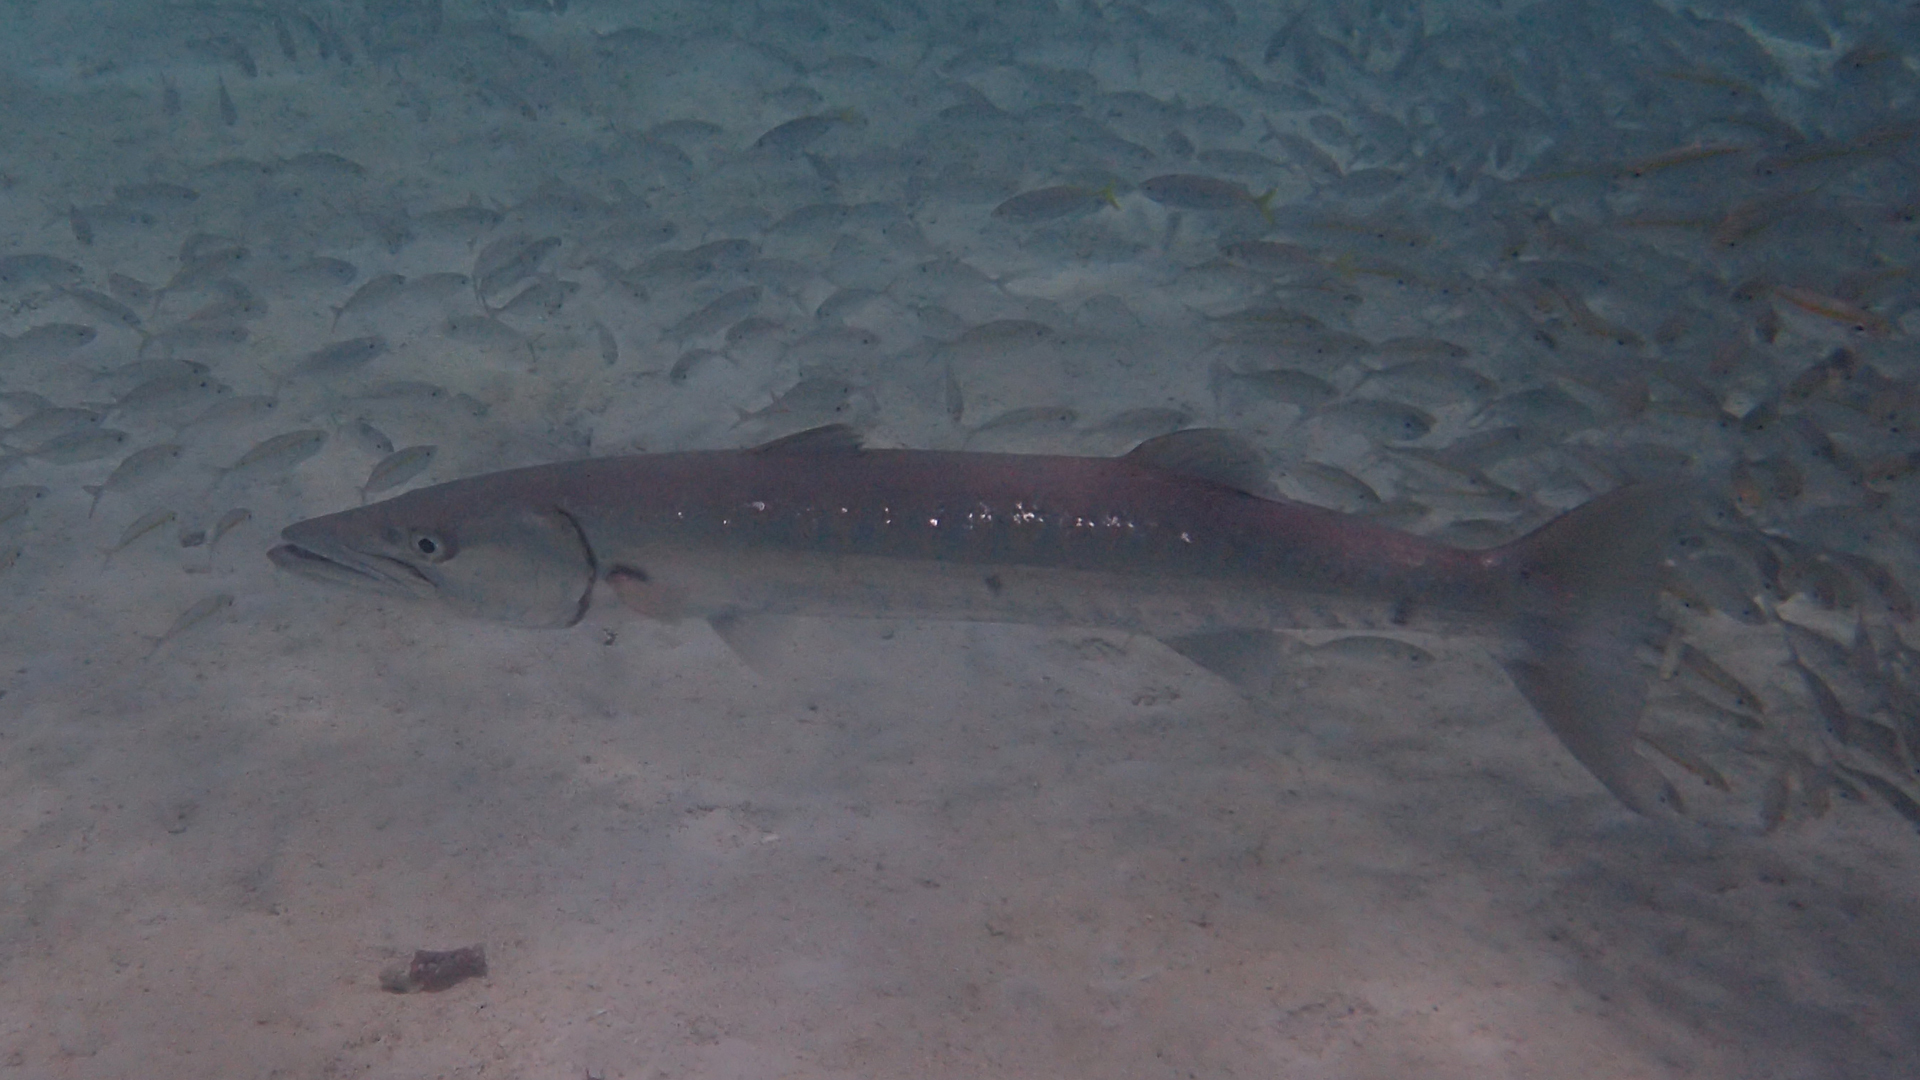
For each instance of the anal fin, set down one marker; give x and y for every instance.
(764, 643)
(1249, 659)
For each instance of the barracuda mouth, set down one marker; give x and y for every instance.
(377, 573)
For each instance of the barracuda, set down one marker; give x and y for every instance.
(1176, 539)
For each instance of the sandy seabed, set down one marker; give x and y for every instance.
(919, 850)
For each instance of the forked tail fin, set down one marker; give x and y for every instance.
(1583, 592)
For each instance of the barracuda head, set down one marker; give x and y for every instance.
(500, 558)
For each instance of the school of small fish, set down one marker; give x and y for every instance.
(1459, 275)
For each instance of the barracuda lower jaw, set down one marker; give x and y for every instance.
(376, 572)
(412, 573)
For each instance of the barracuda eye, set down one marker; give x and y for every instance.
(430, 546)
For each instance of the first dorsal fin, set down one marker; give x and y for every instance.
(828, 439)
(1209, 454)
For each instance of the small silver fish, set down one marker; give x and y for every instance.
(1272, 256)
(228, 522)
(438, 288)
(1429, 382)
(1714, 581)
(405, 390)
(1286, 385)
(141, 526)
(25, 402)
(1054, 203)
(1421, 348)
(1484, 448)
(397, 468)
(235, 302)
(1031, 418)
(203, 336)
(192, 617)
(278, 454)
(52, 422)
(757, 335)
(209, 266)
(541, 300)
(1264, 320)
(368, 437)
(190, 537)
(955, 397)
(1239, 162)
(833, 348)
(459, 222)
(718, 313)
(813, 400)
(130, 290)
(341, 356)
(1677, 749)
(237, 410)
(137, 469)
(108, 306)
(682, 368)
(509, 261)
(1547, 407)
(79, 447)
(609, 347)
(322, 163)
(374, 293)
(1323, 485)
(324, 270)
(797, 134)
(166, 393)
(482, 330)
(999, 332)
(1305, 154)
(470, 405)
(49, 341)
(1698, 674)
(33, 268)
(19, 498)
(1378, 420)
(1183, 191)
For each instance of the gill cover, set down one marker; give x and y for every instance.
(521, 566)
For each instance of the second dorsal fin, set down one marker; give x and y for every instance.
(827, 439)
(1208, 454)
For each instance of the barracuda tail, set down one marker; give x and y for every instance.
(1583, 597)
